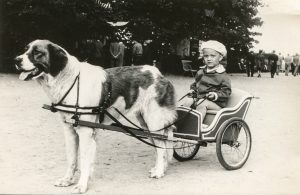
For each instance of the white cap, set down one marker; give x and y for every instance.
(215, 45)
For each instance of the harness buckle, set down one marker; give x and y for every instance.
(52, 108)
(76, 120)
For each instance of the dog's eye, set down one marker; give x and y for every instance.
(38, 53)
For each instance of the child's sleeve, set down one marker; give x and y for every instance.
(225, 90)
(197, 79)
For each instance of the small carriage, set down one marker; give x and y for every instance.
(227, 128)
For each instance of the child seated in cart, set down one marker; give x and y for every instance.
(212, 87)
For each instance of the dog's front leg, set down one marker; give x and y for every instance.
(87, 146)
(71, 142)
(158, 170)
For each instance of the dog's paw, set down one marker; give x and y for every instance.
(79, 189)
(64, 182)
(156, 173)
(152, 170)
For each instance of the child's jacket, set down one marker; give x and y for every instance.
(216, 81)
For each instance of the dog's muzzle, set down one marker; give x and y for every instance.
(18, 63)
(25, 75)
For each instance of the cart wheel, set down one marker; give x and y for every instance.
(185, 151)
(233, 143)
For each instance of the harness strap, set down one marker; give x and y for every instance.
(165, 127)
(107, 101)
(62, 99)
(76, 114)
(94, 110)
(130, 132)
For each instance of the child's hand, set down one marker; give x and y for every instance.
(192, 94)
(210, 96)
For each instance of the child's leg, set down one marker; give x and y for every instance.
(186, 102)
(207, 105)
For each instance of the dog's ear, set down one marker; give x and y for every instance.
(57, 59)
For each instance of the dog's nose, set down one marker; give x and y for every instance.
(18, 60)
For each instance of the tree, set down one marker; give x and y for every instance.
(229, 21)
(62, 21)
(67, 21)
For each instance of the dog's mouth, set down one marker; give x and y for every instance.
(29, 74)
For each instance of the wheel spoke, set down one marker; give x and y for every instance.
(185, 151)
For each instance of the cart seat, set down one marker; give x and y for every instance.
(236, 102)
(236, 98)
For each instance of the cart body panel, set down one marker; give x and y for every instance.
(188, 125)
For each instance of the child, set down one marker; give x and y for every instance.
(212, 86)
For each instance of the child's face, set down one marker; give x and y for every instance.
(211, 57)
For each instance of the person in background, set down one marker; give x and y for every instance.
(122, 53)
(288, 61)
(279, 63)
(212, 86)
(273, 58)
(282, 68)
(242, 64)
(260, 62)
(296, 63)
(148, 53)
(99, 51)
(194, 58)
(115, 52)
(137, 52)
(199, 62)
(250, 62)
(266, 63)
(106, 56)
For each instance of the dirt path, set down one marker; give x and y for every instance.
(32, 147)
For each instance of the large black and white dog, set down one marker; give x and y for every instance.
(140, 92)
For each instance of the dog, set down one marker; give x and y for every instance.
(141, 93)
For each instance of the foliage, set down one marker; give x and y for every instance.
(67, 21)
(229, 21)
(59, 20)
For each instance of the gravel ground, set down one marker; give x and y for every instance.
(32, 152)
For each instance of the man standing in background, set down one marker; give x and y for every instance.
(273, 58)
(296, 64)
(260, 62)
(122, 53)
(250, 62)
(137, 52)
(279, 63)
(288, 61)
(114, 51)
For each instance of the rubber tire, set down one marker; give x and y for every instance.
(181, 158)
(223, 128)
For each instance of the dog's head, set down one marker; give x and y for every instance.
(41, 57)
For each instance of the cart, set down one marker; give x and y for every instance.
(227, 128)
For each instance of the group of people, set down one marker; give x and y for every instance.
(113, 52)
(291, 64)
(276, 63)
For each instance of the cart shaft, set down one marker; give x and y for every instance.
(137, 132)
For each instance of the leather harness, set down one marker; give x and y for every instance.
(86, 110)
